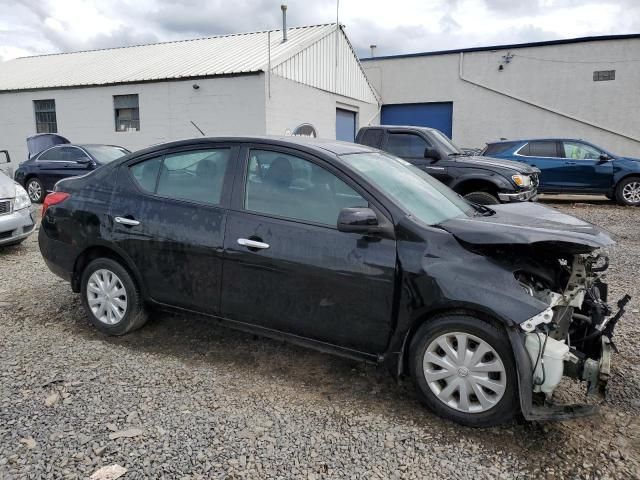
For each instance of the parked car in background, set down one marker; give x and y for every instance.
(54, 162)
(16, 215)
(574, 166)
(478, 179)
(349, 250)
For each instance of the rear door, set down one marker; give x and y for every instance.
(588, 172)
(169, 215)
(51, 166)
(548, 157)
(288, 268)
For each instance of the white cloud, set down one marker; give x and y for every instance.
(48, 26)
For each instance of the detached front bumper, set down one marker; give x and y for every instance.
(522, 196)
(17, 225)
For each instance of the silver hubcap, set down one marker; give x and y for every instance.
(464, 372)
(631, 192)
(34, 190)
(107, 296)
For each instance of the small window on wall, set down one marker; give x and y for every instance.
(127, 113)
(45, 111)
(604, 75)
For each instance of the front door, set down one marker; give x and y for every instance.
(589, 172)
(288, 268)
(51, 167)
(168, 214)
(411, 147)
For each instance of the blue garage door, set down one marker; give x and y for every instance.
(435, 115)
(345, 125)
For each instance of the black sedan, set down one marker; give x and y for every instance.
(346, 249)
(40, 173)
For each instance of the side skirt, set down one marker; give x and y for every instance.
(276, 334)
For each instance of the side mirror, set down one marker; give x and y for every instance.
(4, 157)
(84, 161)
(604, 157)
(431, 153)
(358, 220)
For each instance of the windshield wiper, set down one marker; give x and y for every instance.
(455, 154)
(483, 210)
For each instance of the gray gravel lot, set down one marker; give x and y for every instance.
(185, 398)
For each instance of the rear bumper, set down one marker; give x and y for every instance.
(59, 257)
(523, 196)
(17, 225)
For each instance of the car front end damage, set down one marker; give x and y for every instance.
(558, 261)
(573, 337)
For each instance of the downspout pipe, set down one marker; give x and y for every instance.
(537, 105)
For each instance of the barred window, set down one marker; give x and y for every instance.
(45, 111)
(127, 113)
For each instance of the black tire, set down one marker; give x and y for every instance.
(504, 409)
(482, 198)
(37, 192)
(622, 196)
(135, 314)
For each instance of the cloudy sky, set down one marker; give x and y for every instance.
(31, 27)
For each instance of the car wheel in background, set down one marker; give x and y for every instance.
(111, 298)
(482, 198)
(463, 370)
(628, 191)
(35, 189)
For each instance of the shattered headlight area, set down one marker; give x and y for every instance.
(574, 335)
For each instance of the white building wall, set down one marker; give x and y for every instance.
(554, 77)
(221, 106)
(292, 104)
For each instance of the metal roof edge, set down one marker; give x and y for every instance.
(564, 41)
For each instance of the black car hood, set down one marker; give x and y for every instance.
(527, 223)
(518, 167)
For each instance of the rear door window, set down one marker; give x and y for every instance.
(292, 187)
(51, 155)
(541, 148)
(406, 145)
(195, 175)
(372, 137)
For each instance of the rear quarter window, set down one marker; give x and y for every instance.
(498, 148)
(372, 137)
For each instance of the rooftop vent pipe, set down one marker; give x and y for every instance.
(283, 7)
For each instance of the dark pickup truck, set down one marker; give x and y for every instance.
(480, 180)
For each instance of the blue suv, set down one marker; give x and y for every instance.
(574, 166)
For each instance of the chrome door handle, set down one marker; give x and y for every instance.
(127, 221)
(245, 242)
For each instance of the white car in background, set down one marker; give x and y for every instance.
(17, 220)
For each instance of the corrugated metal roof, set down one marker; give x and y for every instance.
(221, 55)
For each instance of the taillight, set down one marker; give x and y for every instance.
(53, 199)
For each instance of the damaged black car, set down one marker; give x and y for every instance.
(349, 250)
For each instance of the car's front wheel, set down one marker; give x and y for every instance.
(482, 198)
(463, 369)
(111, 298)
(628, 191)
(35, 190)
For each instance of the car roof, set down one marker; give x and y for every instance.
(317, 145)
(541, 139)
(84, 145)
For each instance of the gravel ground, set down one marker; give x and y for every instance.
(185, 398)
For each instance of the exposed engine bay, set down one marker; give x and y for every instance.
(574, 336)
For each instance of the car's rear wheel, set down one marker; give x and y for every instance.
(628, 191)
(463, 369)
(111, 298)
(35, 190)
(482, 198)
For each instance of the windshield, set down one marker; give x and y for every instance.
(416, 192)
(105, 153)
(445, 144)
